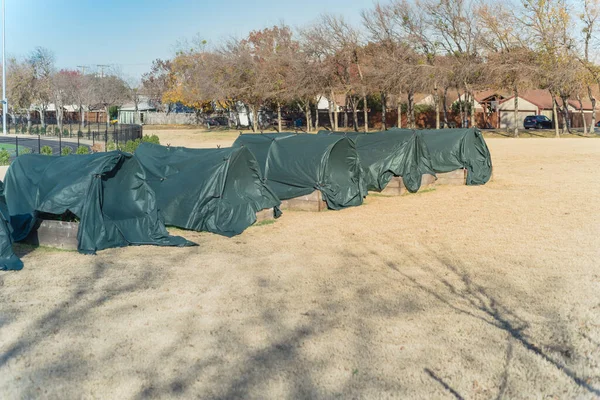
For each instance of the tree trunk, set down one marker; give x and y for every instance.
(81, 117)
(593, 100)
(308, 117)
(460, 109)
(107, 117)
(365, 113)
(565, 111)
(43, 117)
(383, 112)
(138, 120)
(252, 122)
(238, 119)
(331, 124)
(279, 117)
(355, 114)
(28, 121)
(411, 108)
(472, 103)
(346, 118)
(317, 122)
(444, 98)
(413, 116)
(516, 111)
(59, 119)
(254, 118)
(335, 112)
(584, 122)
(436, 100)
(399, 106)
(228, 115)
(555, 115)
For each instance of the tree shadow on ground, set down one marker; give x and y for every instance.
(86, 296)
(280, 359)
(474, 300)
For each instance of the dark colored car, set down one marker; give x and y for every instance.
(537, 122)
(216, 121)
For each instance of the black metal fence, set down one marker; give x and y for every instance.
(37, 139)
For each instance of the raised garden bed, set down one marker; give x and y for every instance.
(265, 215)
(58, 234)
(396, 186)
(311, 202)
(456, 177)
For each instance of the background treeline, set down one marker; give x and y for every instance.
(402, 48)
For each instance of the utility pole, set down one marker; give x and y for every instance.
(102, 66)
(4, 100)
(81, 111)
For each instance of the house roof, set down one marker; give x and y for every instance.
(142, 106)
(543, 100)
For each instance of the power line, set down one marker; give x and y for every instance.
(83, 67)
(102, 66)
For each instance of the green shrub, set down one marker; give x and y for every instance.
(56, 131)
(131, 146)
(33, 130)
(46, 150)
(42, 130)
(24, 129)
(4, 157)
(79, 133)
(151, 139)
(24, 150)
(82, 150)
(65, 132)
(66, 151)
(111, 146)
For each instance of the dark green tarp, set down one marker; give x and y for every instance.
(214, 190)
(106, 191)
(297, 164)
(452, 149)
(8, 259)
(386, 154)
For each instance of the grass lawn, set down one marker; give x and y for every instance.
(11, 148)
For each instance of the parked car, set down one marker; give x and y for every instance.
(537, 122)
(223, 121)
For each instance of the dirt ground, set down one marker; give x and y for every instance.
(461, 292)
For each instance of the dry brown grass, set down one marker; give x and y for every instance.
(473, 292)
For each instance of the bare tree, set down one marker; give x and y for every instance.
(20, 79)
(157, 81)
(110, 91)
(65, 85)
(456, 32)
(273, 51)
(41, 62)
(548, 25)
(510, 62)
(589, 18)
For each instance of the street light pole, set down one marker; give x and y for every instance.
(4, 100)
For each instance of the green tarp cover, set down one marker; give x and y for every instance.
(386, 154)
(106, 191)
(451, 149)
(297, 164)
(214, 190)
(8, 259)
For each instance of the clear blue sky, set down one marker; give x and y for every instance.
(131, 33)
